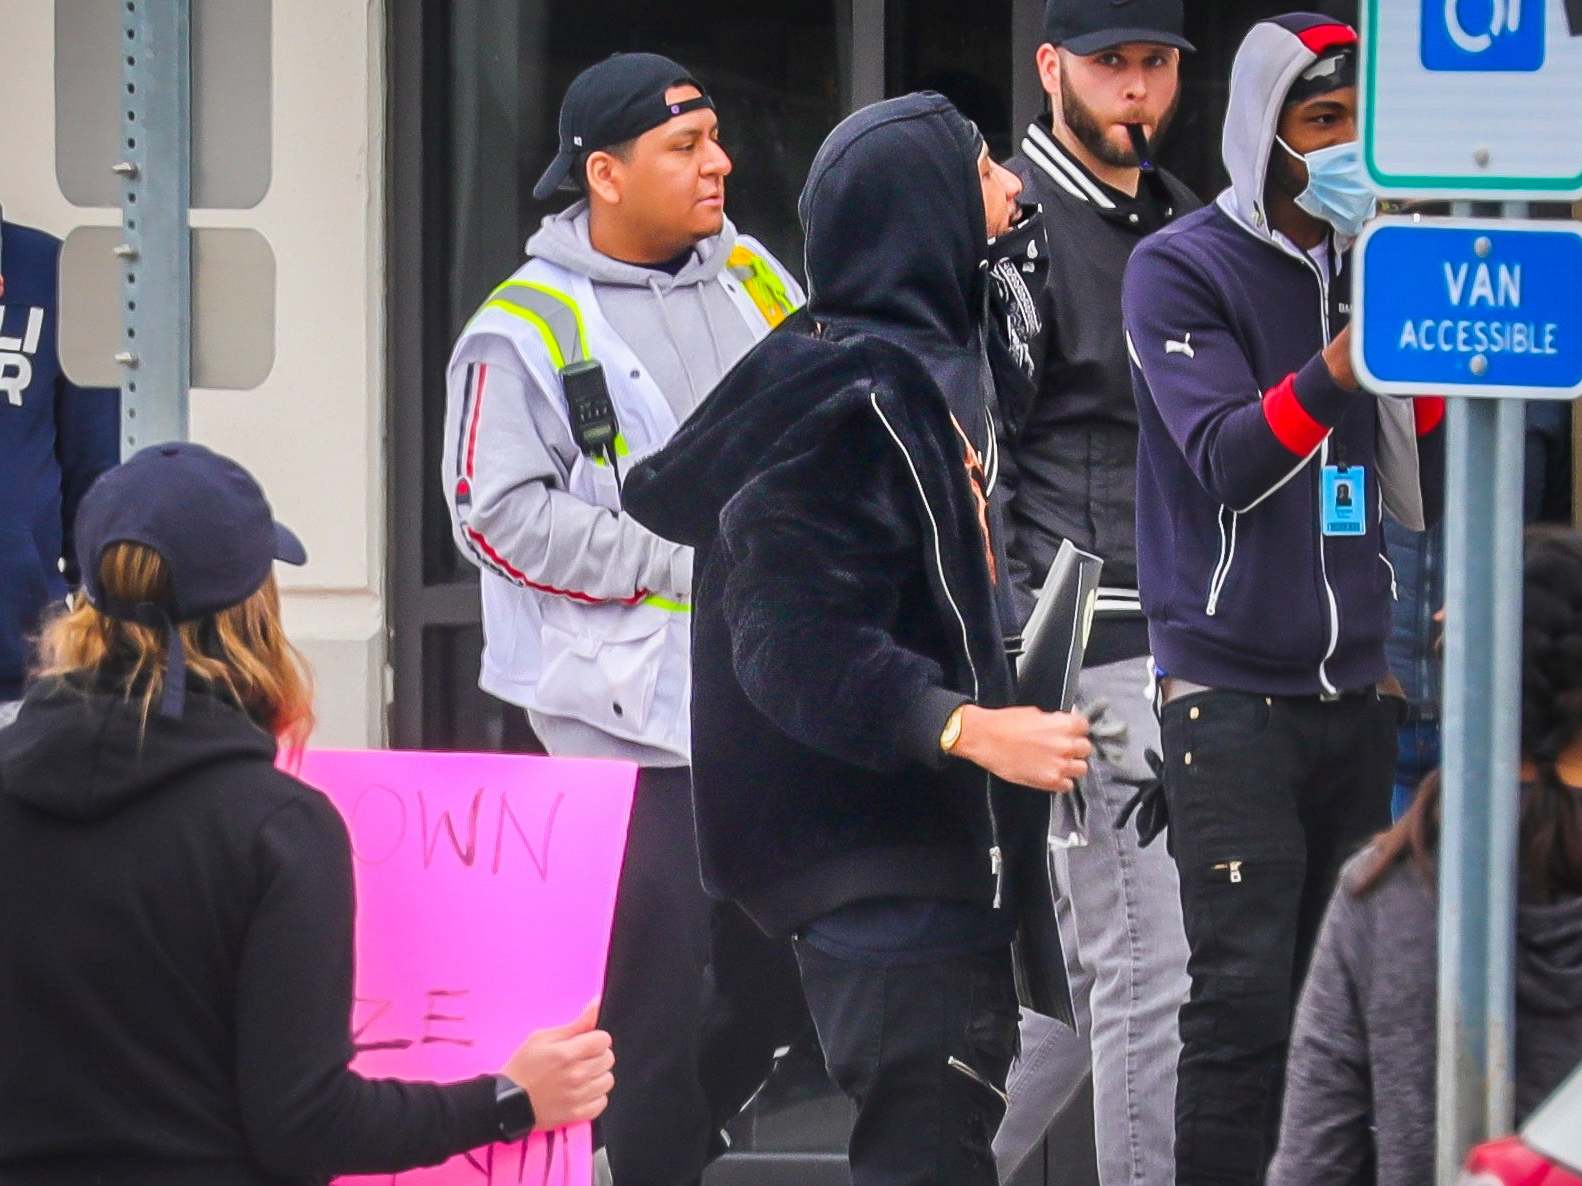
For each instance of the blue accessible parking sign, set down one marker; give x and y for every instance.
(1469, 307)
(1482, 35)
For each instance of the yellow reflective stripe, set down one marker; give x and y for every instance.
(762, 285)
(664, 603)
(537, 322)
(579, 349)
(622, 449)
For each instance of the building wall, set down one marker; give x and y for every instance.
(314, 432)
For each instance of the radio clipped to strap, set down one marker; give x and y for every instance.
(592, 412)
(559, 323)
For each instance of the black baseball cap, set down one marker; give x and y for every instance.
(208, 520)
(1335, 70)
(612, 102)
(1088, 26)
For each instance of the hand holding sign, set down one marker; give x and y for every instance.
(565, 1071)
(1337, 357)
(485, 888)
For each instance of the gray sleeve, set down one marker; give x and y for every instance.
(517, 519)
(1325, 1133)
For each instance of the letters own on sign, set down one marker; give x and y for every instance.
(485, 890)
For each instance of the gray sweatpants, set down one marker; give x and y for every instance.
(1120, 925)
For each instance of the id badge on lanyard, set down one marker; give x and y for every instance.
(1343, 500)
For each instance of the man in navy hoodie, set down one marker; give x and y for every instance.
(1263, 477)
(55, 439)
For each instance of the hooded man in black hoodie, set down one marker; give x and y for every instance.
(849, 663)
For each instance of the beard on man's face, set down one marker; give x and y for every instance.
(1085, 126)
(1285, 174)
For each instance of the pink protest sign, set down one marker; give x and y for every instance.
(485, 889)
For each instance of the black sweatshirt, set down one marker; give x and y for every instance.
(176, 925)
(1071, 464)
(845, 602)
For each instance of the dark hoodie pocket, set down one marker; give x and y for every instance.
(1264, 587)
(24, 590)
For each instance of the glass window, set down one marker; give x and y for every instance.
(458, 714)
(961, 51)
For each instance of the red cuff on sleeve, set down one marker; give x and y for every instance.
(1428, 410)
(1288, 419)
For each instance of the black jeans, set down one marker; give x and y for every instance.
(1268, 798)
(923, 1051)
(696, 999)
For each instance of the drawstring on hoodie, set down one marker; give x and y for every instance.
(670, 332)
(714, 341)
(675, 339)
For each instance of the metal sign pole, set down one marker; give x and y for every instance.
(156, 246)
(1482, 710)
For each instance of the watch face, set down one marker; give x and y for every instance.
(513, 1110)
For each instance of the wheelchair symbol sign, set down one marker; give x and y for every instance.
(1483, 35)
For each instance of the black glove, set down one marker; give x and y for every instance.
(1153, 813)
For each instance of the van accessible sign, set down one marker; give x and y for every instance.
(1469, 307)
(1473, 98)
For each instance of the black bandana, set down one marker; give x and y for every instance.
(1018, 264)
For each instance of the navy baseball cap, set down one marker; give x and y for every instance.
(614, 101)
(208, 520)
(1088, 26)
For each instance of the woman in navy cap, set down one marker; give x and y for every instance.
(176, 934)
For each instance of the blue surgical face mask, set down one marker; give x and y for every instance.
(1336, 191)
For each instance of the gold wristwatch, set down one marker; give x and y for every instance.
(951, 734)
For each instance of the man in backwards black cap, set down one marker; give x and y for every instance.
(851, 673)
(1112, 74)
(632, 304)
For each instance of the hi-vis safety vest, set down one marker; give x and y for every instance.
(621, 667)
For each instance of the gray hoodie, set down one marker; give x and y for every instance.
(687, 331)
(1360, 1083)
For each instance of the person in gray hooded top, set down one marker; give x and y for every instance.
(1359, 1102)
(631, 306)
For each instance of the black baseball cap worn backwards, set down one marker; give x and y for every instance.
(1088, 26)
(614, 101)
(1334, 46)
(208, 520)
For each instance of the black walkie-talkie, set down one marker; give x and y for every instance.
(592, 411)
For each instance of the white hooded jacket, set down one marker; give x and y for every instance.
(585, 612)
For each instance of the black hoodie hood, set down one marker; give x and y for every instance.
(897, 260)
(897, 245)
(84, 755)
